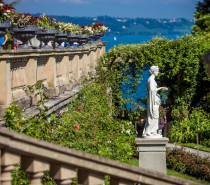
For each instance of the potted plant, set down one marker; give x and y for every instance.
(24, 28)
(47, 30)
(74, 31)
(99, 30)
(62, 35)
(88, 30)
(6, 13)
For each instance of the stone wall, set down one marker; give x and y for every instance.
(60, 70)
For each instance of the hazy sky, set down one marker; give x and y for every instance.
(116, 8)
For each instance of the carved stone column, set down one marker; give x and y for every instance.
(31, 71)
(75, 69)
(8, 160)
(84, 66)
(90, 178)
(5, 85)
(35, 169)
(92, 55)
(63, 175)
(51, 74)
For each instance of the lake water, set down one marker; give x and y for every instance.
(115, 41)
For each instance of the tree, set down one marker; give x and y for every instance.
(202, 18)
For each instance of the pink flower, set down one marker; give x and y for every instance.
(95, 111)
(142, 120)
(79, 108)
(76, 127)
(89, 116)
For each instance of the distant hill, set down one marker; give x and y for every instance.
(135, 26)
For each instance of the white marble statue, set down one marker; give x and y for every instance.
(153, 103)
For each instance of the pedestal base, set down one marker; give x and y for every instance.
(152, 153)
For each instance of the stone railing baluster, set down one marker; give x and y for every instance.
(62, 175)
(86, 177)
(35, 169)
(8, 161)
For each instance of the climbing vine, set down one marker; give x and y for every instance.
(181, 69)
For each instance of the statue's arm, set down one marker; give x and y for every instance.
(162, 88)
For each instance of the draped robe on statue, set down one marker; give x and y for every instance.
(153, 103)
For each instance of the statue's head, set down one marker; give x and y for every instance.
(154, 70)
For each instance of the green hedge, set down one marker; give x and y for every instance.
(181, 69)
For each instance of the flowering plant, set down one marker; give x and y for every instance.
(69, 27)
(26, 18)
(46, 22)
(87, 29)
(6, 11)
(99, 27)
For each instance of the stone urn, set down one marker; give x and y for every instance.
(60, 38)
(82, 40)
(24, 33)
(46, 35)
(72, 38)
(97, 36)
(3, 26)
(89, 39)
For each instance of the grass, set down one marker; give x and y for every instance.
(193, 145)
(183, 176)
(135, 162)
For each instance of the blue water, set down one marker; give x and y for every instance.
(141, 90)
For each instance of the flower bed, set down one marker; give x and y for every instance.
(188, 163)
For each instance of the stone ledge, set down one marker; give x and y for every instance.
(53, 103)
(158, 141)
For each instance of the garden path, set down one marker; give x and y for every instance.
(191, 150)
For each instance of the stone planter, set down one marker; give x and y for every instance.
(24, 33)
(82, 40)
(97, 36)
(89, 39)
(3, 27)
(72, 38)
(60, 38)
(46, 35)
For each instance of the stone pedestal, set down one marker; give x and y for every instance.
(152, 153)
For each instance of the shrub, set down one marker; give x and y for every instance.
(185, 131)
(188, 163)
(87, 124)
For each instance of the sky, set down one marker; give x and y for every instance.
(115, 8)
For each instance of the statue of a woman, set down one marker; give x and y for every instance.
(153, 103)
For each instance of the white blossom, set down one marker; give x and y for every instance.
(128, 132)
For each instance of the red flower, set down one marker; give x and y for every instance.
(95, 111)
(89, 116)
(76, 127)
(79, 108)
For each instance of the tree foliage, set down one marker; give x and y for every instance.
(202, 18)
(181, 69)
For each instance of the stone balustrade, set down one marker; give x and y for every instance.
(59, 69)
(65, 164)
